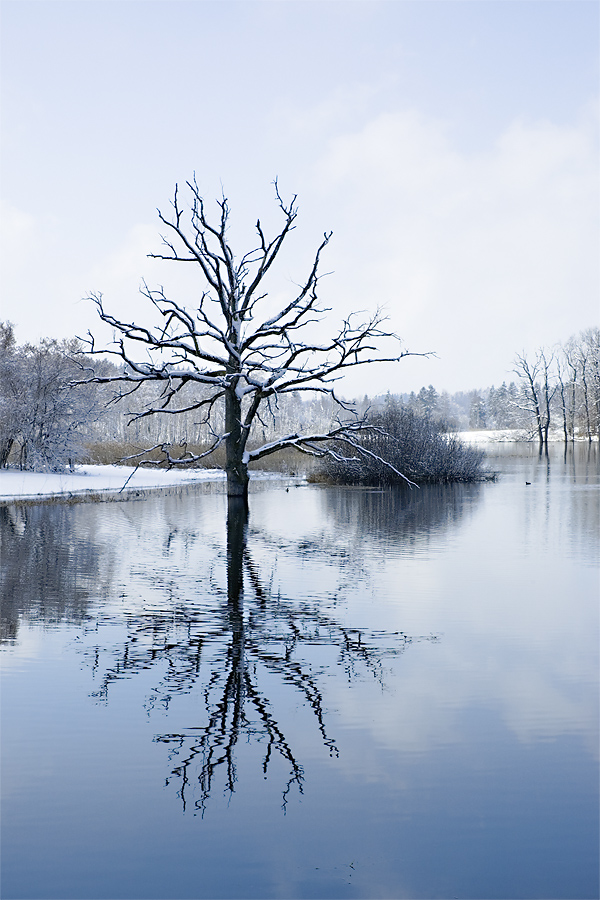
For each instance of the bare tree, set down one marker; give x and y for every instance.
(539, 391)
(563, 391)
(11, 390)
(247, 356)
(588, 361)
(570, 370)
(42, 417)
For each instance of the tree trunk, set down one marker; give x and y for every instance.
(235, 445)
(586, 401)
(237, 521)
(237, 524)
(5, 448)
(538, 422)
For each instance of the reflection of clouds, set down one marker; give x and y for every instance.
(30, 645)
(432, 693)
(516, 609)
(511, 593)
(508, 640)
(337, 583)
(537, 706)
(362, 546)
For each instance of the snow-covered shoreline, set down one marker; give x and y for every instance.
(511, 436)
(124, 482)
(496, 436)
(89, 481)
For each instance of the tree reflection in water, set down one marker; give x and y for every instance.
(49, 568)
(412, 519)
(257, 633)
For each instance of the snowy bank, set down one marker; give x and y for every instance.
(515, 435)
(498, 435)
(89, 481)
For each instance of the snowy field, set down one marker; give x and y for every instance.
(97, 480)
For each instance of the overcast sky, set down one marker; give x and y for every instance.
(452, 147)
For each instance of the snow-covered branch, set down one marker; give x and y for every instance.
(225, 344)
(343, 435)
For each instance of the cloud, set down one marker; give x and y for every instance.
(476, 253)
(30, 246)
(121, 268)
(17, 229)
(48, 268)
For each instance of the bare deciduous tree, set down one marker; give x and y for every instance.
(11, 391)
(538, 391)
(42, 416)
(588, 362)
(247, 356)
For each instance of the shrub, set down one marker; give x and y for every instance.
(415, 445)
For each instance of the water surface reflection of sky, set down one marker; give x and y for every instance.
(372, 693)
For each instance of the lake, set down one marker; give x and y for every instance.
(354, 693)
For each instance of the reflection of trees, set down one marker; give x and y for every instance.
(576, 509)
(49, 566)
(256, 642)
(583, 520)
(411, 516)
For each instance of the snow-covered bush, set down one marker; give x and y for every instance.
(414, 444)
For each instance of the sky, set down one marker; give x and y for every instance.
(450, 145)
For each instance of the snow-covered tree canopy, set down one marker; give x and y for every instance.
(43, 419)
(233, 342)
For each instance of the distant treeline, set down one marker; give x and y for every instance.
(557, 388)
(50, 417)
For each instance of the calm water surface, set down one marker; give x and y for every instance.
(357, 693)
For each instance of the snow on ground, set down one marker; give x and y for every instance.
(501, 435)
(492, 436)
(97, 480)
